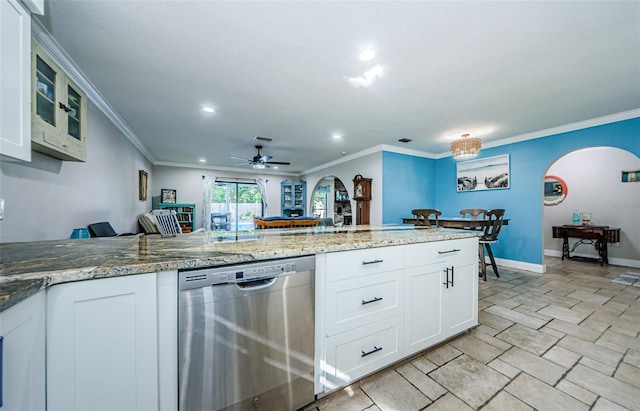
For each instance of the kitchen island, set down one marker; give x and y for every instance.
(26, 268)
(82, 319)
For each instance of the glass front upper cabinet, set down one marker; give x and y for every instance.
(46, 80)
(59, 110)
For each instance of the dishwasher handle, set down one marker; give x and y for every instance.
(257, 284)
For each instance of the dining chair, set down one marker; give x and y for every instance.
(490, 235)
(473, 214)
(167, 222)
(422, 215)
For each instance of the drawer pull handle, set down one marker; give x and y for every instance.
(449, 251)
(371, 262)
(375, 349)
(373, 300)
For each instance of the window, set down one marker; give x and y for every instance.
(320, 201)
(233, 206)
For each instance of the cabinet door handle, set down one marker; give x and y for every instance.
(451, 276)
(446, 270)
(373, 300)
(375, 349)
(449, 251)
(371, 262)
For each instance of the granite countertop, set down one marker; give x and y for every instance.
(26, 268)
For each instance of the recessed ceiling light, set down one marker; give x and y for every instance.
(367, 54)
(275, 167)
(336, 136)
(202, 160)
(208, 109)
(343, 153)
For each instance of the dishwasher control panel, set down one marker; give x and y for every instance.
(234, 274)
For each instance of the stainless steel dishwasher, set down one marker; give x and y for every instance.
(246, 336)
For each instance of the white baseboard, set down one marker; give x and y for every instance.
(625, 262)
(519, 265)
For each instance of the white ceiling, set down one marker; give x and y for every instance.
(278, 69)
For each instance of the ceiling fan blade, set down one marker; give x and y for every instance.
(265, 159)
(258, 138)
(240, 158)
(286, 163)
(241, 164)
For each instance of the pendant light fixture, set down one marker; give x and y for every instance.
(466, 147)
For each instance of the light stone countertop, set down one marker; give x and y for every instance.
(26, 268)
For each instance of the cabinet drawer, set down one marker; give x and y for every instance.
(426, 253)
(348, 264)
(356, 353)
(356, 302)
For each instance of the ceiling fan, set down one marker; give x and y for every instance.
(258, 161)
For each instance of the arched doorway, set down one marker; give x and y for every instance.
(330, 199)
(594, 185)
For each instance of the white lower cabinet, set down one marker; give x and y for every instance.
(360, 351)
(102, 344)
(22, 328)
(423, 313)
(395, 302)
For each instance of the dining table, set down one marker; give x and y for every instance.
(456, 222)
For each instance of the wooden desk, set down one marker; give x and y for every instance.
(598, 236)
(456, 222)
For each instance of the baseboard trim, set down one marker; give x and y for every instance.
(519, 265)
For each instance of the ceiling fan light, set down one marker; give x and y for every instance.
(259, 166)
(466, 147)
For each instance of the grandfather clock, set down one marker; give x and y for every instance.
(362, 195)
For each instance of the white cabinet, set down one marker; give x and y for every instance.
(22, 328)
(377, 306)
(102, 344)
(423, 313)
(441, 291)
(58, 112)
(15, 72)
(460, 300)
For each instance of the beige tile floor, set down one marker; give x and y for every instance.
(564, 340)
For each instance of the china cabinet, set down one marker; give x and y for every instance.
(58, 110)
(293, 201)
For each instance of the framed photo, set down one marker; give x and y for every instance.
(489, 173)
(167, 195)
(143, 184)
(630, 176)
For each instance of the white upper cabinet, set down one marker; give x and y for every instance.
(58, 112)
(15, 69)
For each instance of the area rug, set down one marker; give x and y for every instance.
(627, 278)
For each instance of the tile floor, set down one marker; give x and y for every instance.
(564, 340)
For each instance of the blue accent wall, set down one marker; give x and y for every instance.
(408, 183)
(521, 240)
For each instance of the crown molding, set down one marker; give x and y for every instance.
(598, 121)
(230, 169)
(57, 53)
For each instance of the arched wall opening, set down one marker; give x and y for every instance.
(593, 178)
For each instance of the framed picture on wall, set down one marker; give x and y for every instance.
(167, 195)
(630, 176)
(489, 173)
(143, 181)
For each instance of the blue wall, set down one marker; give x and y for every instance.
(521, 240)
(408, 183)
